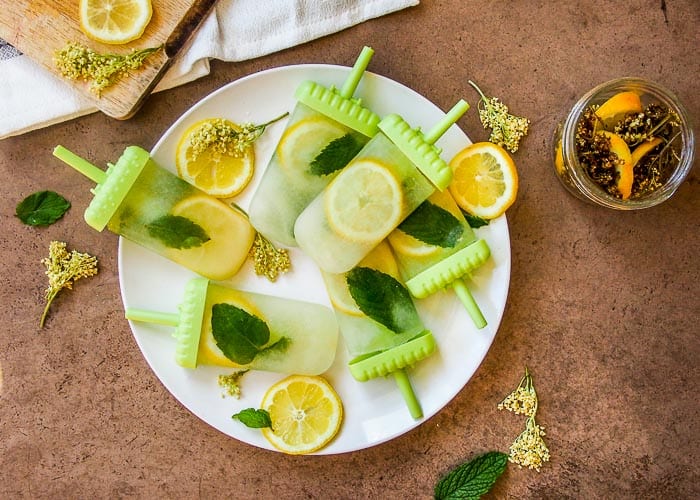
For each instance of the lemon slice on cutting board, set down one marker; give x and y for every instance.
(114, 21)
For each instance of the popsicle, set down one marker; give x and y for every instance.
(379, 322)
(435, 248)
(325, 130)
(222, 326)
(152, 207)
(396, 171)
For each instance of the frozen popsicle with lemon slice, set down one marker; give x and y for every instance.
(396, 171)
(379, 322)
(436, 248)
(222, 326)
(325, 130)
(154, 208)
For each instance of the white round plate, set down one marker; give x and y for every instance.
(374, 410)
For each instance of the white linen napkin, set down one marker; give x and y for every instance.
(236, 30)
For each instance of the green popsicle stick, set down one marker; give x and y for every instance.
(409, 397)
(83, 166)
(465, 296)
(358, 69)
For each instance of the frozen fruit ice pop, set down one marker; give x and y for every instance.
(435, 248)
(152, 207)
(222, 326)
(325, 130)
(379, 322)
(396, 171)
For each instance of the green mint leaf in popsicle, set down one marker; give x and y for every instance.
(242, 336)
(335, 155)
(474, 221)
(42, 208)
(382, 298)
(255, 419)
(176, 231)
(472, 479)
(433, 225)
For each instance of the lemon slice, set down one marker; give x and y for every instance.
(485, 181)
(364, 202)
(209, 352)
(230, 232)
(303, 141)
(614, 109)
(211, 170)
(114, 21)
(306, 414)
(379, 258)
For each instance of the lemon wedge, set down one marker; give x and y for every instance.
(114, 21)
(485, 181)
(306, 414)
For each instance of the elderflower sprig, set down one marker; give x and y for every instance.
(232, 383)
(226, 137)
(77, 62)
(63, 269)
(523, 400)
(506, 129)
(529, 449)
(268, 260)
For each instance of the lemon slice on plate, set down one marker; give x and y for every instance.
(365, 202)
(213, 169)
(485, 181)
(306, 414)
(114, 21)
(221, 256)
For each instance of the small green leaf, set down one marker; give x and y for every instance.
(42, 208)
(242, 336)
(176, 231)
(475, 221)
(335, 155)
(382, 298)
(472, 479)
(433, 225)
(255, 419)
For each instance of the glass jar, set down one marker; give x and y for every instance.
(575, 177)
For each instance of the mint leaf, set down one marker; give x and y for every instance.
(42, 208)
(176, 231)
(475, 221)
(255, 419)
(242, 336)
(472, 479)
(335, 155)
(382, 298)
(433, 225)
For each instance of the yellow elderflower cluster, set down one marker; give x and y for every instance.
(231, 383)
(268, 260)
(506, 130)
(63, 269)
(529, 449)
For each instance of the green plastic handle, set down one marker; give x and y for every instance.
(353, 79)
(157, 317)
(83, 166)
(451, 117)
(404, 384)
(465, 296)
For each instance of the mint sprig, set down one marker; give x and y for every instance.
(382, 298)
(42, 208)
(335, 155)
(242, 336)
(472, 479)
(433, 225)
(175, 231)
(255, 419)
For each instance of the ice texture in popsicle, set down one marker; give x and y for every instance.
(152, 207)
(324, 132)
(379, 322)
(396, 171)
(435, 248)
(223, 326)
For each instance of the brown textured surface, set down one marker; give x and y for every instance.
(604, 307)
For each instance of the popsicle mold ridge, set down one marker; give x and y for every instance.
(189, 328)
(119, 179)
(394, 359)
(412, 143)
(347, 111)
(448, 270)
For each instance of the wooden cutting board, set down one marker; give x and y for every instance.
(39, 28)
